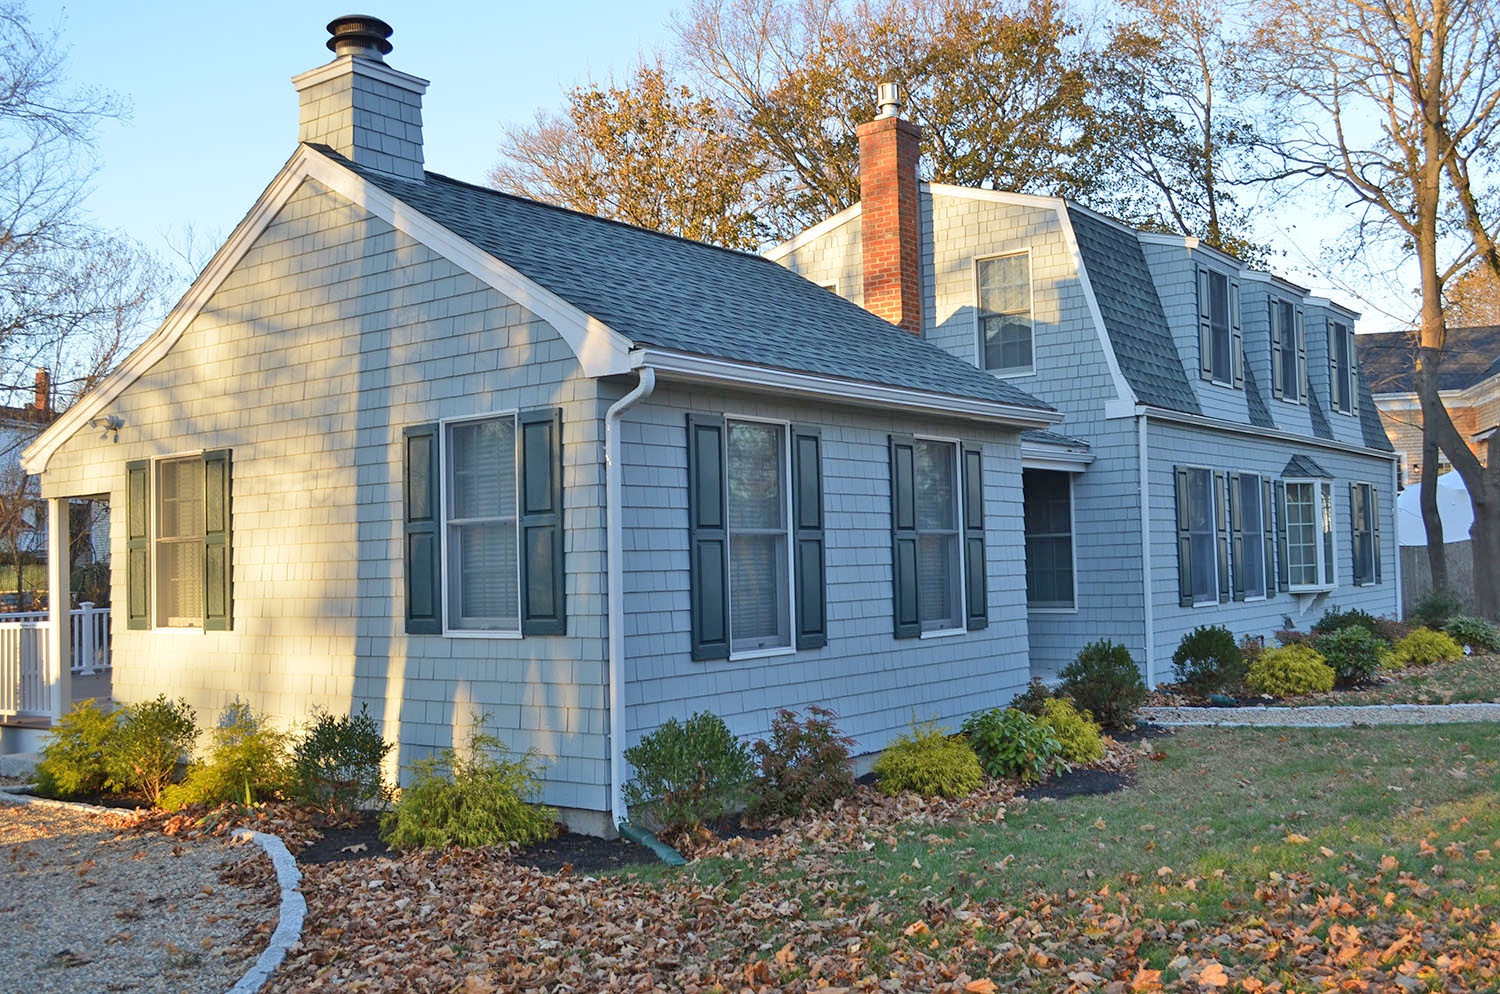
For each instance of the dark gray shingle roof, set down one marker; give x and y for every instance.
(1319, 417)
(1469, 355)
(1302, 466)
(1043, 437)
(1133, 314)
(1260, 415)
(1369, 420)
(682, 296)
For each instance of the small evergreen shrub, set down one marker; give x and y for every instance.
(150, 740)
(246, 764)
(1354, 652)
(1333, 619)
(804, 767)
(1479, 634)
(1424, 647)
(1208, 661)
(1080, 738)
(1105, 682)
(336, 762)
(927, 762)
(1392, 630)
(687, 774)
(1433, 609)
(478, 797)
(1289, 670)
(1011, 743)
(1033, 699)
(72, 762)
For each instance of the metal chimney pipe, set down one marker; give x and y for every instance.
(888, 101)
(361, 36)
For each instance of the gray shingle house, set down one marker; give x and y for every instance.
(420, 446)
(1220, 460)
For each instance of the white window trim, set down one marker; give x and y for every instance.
(153, 511)
(979, 313)
(958, 522)
(1333, 530)
(1072, 549)
(444, 461)
(786, 516)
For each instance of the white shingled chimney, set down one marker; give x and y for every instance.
(361, 107)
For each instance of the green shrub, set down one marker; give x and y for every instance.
(1333, 619)
(480, 797)
(1033, 699)
(1252, 647)
(1011, 743)
(1391, 630)
(1208, 661)
(150, 740)
(1354, 652)
(1105, 682)
(1479, 634)
(1424, 647)
(1079, 736)
(1290, 636)
(336, 762)
(804, 767)
(687, 774)
(72, 762)
(1289, 670)
(246, 764)
(1433, 609)
(928, 762)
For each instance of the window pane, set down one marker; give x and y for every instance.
(1049, 539)
(1326, 490)
(1291, 379)
(759, 571)
(483, 569)
(1301, 534)
(1253, 548)
(757, 497)
(181, 511)
(482, 560)
(482, 483)
(1218, 315)
(1005, 312)
(936, 506)
(937, 582)
(759, 614)
(179, 543)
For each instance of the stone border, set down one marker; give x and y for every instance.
(1319, 715)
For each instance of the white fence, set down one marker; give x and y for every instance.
(25, 684)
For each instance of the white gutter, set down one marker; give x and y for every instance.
(615, 590)
(1229, 427)
(1150, 614)
(1395, 524)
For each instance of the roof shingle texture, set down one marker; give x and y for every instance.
(1132, 313)
(1388, 358)
(682, 296)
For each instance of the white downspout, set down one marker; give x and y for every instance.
(615, 589)
(1148, 604)
(1395, 540)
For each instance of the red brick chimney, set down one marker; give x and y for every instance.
(889, 213)
(43, 391)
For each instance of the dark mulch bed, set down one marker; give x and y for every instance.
(1078, 783)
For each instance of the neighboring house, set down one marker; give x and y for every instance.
(1220, 460)
(1468, 383)
(423, 447)
(23, 525)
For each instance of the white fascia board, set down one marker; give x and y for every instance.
(346, 64)
(1334, 305)
(994, 196)
(1161, 414)
(1042, 455)
(808, 235)
(703, 369)
(601, 351)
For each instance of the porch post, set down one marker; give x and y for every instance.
(59, 607)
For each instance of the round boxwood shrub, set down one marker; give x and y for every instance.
(1424, 647)
(1476, 633)
(688, 774)
(1106, 683)
(928, 762)
(1011, 743)
(1208, 661)
(1354, 652)
(1079, 736)
(1289, 670)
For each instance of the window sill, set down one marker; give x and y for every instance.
(177, 629)
(1005, 374)
(1052, 608)
(465, 634)
(780, 650)
(1320, 588)
(1201, 604)
(939, 633)
(1294, 403)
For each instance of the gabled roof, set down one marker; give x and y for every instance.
(1132, 312)
(1388, 359)
(668, 293)
(1302, 466)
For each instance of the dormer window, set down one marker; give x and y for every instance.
(1219, 344)
(1343, 386)
(1005, 341)
(1288, 353)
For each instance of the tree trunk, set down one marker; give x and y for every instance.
(1432, 519)
(1485, 536)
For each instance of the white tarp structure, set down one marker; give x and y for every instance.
(1453, 506)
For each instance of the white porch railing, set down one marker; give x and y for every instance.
(25, 684)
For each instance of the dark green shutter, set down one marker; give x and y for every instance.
(976, 567)
(1236, 338)
(908, 622)
(807, 523)
(1268, 526)
(541, 519)
(1205, 329)
(1283, 574)
(1351, 369)
(138, 545)
(218, 556)
(1221, 533)
(420, 486)
(1374, 507)
(1299, 333)
(708, 537)
(1237, 581)
(1184, 541)
(1273, 314)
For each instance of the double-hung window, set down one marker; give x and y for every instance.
(1307, 540)
(1220, 349)
(1202, 539)
(1251, 546)
(1343, 382)
(483, 511)
(179, 572)
(755, 512)
(1005, 322)
(937, 524)
(1364, 513)
(1048, 506)
(1288, 352)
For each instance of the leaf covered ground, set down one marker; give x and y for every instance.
(1241, 860)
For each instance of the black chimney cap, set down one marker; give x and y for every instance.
(359, 34)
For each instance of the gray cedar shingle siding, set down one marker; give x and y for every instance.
(1132, 313)
(682, 296)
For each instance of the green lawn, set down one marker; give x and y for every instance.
(1469, 680)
